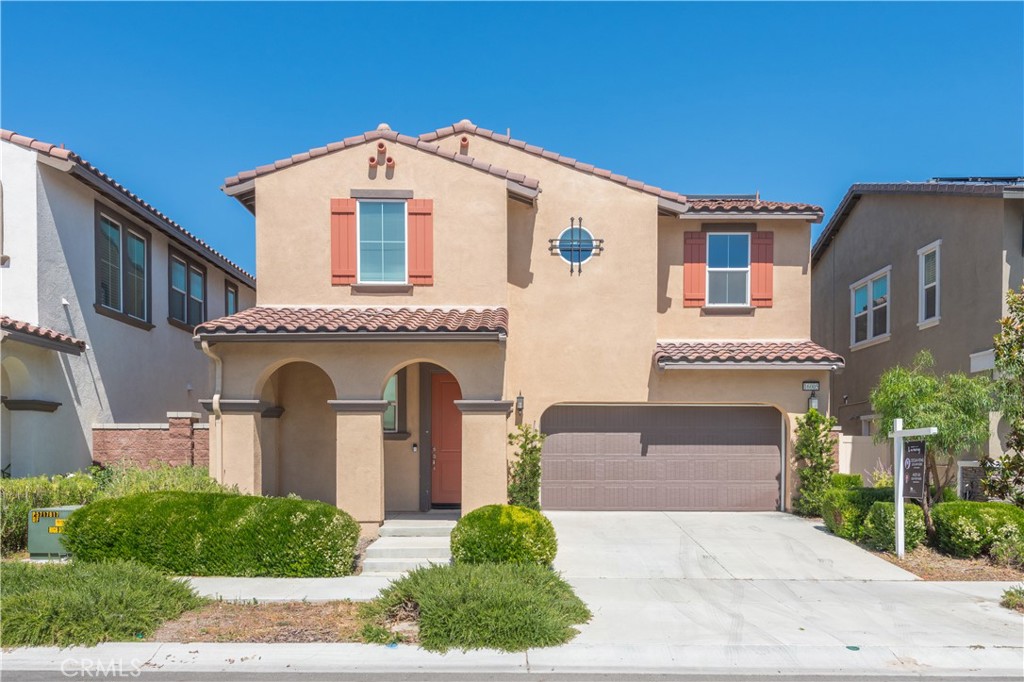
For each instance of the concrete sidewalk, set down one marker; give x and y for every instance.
(353, 587)
(572, 659)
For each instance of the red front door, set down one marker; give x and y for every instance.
(446, 439)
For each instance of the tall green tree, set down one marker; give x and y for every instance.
(957, 404)
(524, 473)
(1004, 476)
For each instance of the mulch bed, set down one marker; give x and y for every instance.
(929, 564)
(269, 622)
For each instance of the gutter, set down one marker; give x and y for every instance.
(218, 380)
(222, 337)
(682, 364)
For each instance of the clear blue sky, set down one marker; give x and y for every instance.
(797, 101)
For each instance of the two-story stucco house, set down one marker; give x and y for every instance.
(99, 293)
(905, 267)
(420, 296)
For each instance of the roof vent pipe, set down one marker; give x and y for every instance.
(390, 162)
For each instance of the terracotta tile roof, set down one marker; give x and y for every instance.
(384, 133)
(355, 319)
(466, 126)
(44, 333)
(727, 206)
(186, 237)
(992, 188)
(697, 352)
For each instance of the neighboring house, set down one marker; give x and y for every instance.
(905, 267)
(420, 296)
(99, 293)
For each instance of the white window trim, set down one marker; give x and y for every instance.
(359, 250)
(881, 338)
(935, 246)
(145, 274)
(708, 269)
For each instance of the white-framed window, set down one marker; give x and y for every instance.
(382, 232)
(728, 270)
(928, 284)
(869, 308)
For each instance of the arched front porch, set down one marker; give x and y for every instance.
(369, 426)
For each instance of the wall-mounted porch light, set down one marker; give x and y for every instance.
(813, 387)
(520, 402)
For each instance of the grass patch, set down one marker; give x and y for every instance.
(1013, 598)
(511, 607)
(268, 622)
(78, 603)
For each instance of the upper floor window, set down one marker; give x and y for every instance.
(728, 269)
(870, 308)
(382, 240)
(928, 284)
(187, 291)
(122, 269)
(230, 298)
(576, 245)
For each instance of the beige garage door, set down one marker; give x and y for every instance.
(647, 457)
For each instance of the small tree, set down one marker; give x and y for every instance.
(524, 472)
(815, 447)
(958, 405)
(1004, 477)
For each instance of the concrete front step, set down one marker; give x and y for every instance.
(398, 547)
(396, 566)
(416, 529)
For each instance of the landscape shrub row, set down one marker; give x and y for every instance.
(20, 495)
(76, 603)
(185, 533)
(969, 529)
(844, 509)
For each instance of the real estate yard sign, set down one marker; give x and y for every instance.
(913, 469)
(903, 472)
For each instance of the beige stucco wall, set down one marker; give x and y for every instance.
(976, 260)
(587, 338)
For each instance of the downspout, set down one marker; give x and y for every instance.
(218, 377)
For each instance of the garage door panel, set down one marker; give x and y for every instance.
(661, 457)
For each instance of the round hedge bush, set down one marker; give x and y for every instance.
(504, 534)
(880, 526)
(185, 533)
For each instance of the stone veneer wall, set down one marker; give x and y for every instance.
(182, 440)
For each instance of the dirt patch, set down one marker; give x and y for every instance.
(221, 621)
(929, 564)
(361, 553)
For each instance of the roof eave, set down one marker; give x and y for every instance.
(761, 364)
(91, 179)
(68, 347)
(755, 215)
(222, 337)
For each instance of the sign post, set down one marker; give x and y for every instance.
(909, 480)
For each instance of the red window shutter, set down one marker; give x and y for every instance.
(421, 241)
(762, 261)
(343, 241)
(695, 258)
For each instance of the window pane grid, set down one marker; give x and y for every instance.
(728, 269)
(382, 241)
(929, 304)
(110, 264)
(870, 313)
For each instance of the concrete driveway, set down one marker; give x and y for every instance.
(763, 579)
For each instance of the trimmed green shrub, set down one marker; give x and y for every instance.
(844, 509)
(968, 529)
(1008, 550)
(217, 534)
(524, 472)
(504, 534)
(121, 480)
(815, 444)
(20, 495)
(512, 607)
(64, 604)
(880, 526)
(847, 481)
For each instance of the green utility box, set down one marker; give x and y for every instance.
(46, 531)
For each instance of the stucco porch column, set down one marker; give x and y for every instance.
(236, 453)
(360, 461)
(484, 467)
